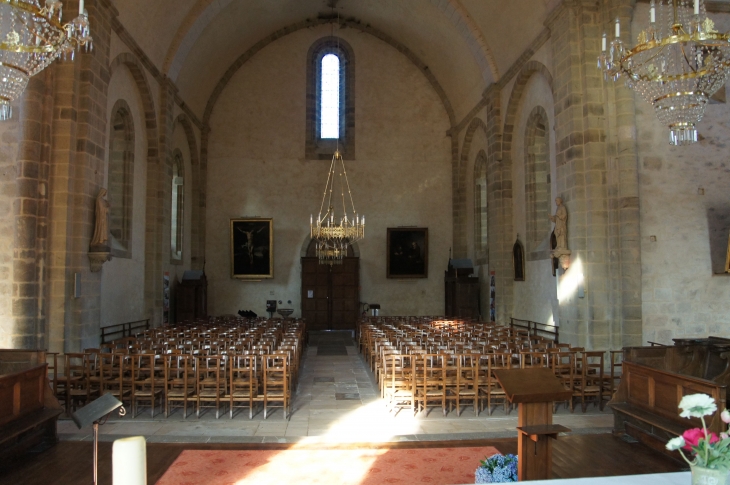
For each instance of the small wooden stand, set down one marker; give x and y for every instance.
(534, 390)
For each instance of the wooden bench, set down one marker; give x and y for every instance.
(28, 408)
(645, 405)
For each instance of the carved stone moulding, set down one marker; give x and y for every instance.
(98, 258)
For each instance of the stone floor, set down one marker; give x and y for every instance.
(336, 401)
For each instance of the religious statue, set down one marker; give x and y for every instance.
(101, 227)
(561, 224)
(560, 219)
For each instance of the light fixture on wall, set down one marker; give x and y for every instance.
(31, 38)
(334, 233)
(680, 60)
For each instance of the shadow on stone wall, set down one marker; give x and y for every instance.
(718, 222)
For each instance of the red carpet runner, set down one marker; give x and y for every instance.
(436, 466)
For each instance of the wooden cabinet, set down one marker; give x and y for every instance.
(461, 291)
(191, 301)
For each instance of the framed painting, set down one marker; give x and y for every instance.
(252, 248)
(407, 252)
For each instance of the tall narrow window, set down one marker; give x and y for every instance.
(178, 195)
(330, 111)
(480, 209)
(537, 181)
(120, 181)
(329, 97)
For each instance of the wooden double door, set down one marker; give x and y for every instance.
(330, 294)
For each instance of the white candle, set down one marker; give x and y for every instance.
(603, 42)
(81, 7)
(652, 13)
(129, 461)
(618, 28)
(697, 7)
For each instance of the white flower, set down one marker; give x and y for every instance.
(675, 443)
(725, 416)
(697, 405)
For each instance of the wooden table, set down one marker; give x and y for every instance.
(534, 390)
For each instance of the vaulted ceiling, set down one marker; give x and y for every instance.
(467, 44)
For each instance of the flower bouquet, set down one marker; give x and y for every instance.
(497, 469)
(710, 453)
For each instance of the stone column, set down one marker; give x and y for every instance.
(78, 147)
(597, 178)
(499, 209)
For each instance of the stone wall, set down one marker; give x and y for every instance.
(685, 222)
(400, 175)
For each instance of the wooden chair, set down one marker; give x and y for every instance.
(429, 382)
(113, 376)
(616, 358)
(398, 386)
(276, 383)
(147, 382)
(533, 359)
(563, 366)
(495, 393)
(591, 380)
(180, 381)
(211, 382)
(243, 383)
(77, 385)
(467, 386)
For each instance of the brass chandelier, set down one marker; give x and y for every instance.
(679, 62)
(31, 38)
(334, 233)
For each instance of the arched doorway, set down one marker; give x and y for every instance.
(330, 294)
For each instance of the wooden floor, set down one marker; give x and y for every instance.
(70, 463)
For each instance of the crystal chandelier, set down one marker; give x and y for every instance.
(31, 37)
(680, 60)
(332, 233)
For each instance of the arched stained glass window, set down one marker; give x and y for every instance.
(178, 199)
(330, 111)
(329, 97)
(120, 178)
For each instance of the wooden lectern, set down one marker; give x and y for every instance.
(534, 390)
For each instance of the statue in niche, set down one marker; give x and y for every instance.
(518, 260)
(101, 227)
(99, 246)
(560, 231)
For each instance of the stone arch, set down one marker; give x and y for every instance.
(459, 187)
(518, 91)
(307, 24)
(203, 12)
(537, 179)
(197, 225)
(154, 200)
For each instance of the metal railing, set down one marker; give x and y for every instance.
(537, 329)
(122, 330)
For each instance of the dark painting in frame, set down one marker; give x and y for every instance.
(407, 252)
(252, 248)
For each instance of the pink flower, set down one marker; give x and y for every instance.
(693, 436)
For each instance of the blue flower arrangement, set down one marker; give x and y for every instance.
(497, 469)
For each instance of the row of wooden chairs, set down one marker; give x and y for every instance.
(136, 369)
(420, 381)
(180, 380)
